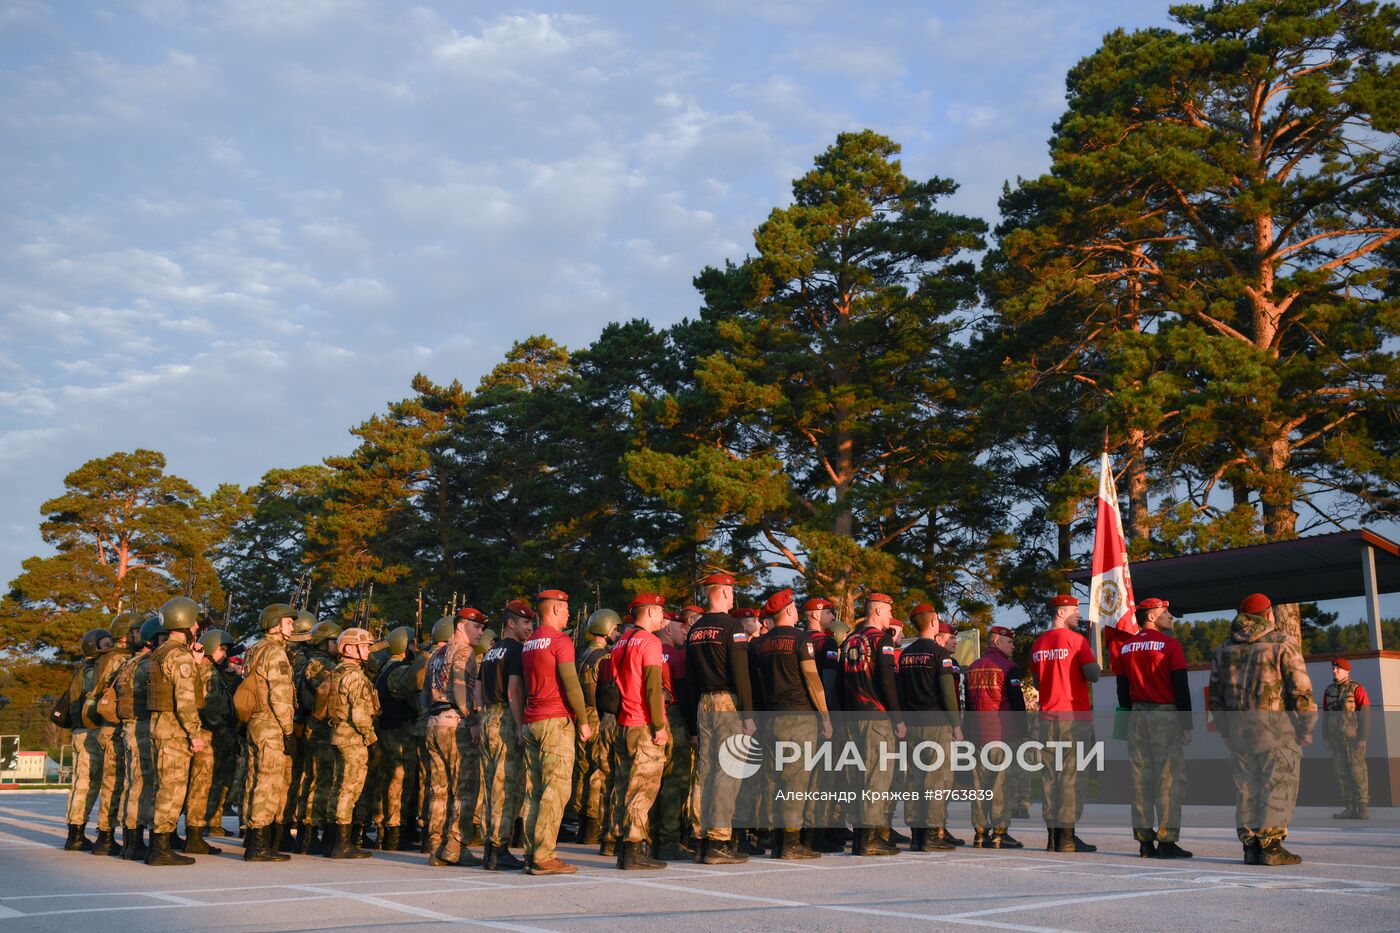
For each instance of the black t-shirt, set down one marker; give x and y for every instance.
(780, 654)
(923, 666)
(497, 665)
(868, 672)
(716, 658)
(825, 651)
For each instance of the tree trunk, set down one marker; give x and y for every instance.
(1139, 514)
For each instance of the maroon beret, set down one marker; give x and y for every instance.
(777, 602)
(718, 578)
(1153, 603)
(1343, 663)
(1064, 599)
(1255, 603)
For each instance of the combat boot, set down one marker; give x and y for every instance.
(552, 867)
(281, 837)
(749, 842)
(503, 860)
(633, 857)
(675, 852)
(160, 852)
(1021, 812)
(979, 838)
(1345, 813)
(345, 846)
(789, 846)
(517, 835)
(409, 840)
(137, 850)
(1171, 850)
(607, 846)
(700, 846)
(893, 836)
(722, 852)
(1275, 854)
(936, 840)
(1001, 839)
(77, 840)
(1064, 839)
(1147, 849)
(588, 832)
(1252, 851)
(870, 842)
(942, 834)
(257, 848)
(102, 845)
(468, 859)
(916, 839)
(357, 835)
(195, 844)
(306, 837)
(825, 840)
(1360, 812)
(1052, 839)
(389, 839)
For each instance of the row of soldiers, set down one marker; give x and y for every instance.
(501, 739)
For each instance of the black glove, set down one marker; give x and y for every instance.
(289, 744)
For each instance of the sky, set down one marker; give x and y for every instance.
(233, 230)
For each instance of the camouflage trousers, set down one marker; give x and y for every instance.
(925, 813)
(173, 755)
(584, 801)
(297, 766)
(469, 786)
(87, 775)
(320, 804)
(110, 796)
(1266, 790)
(872, 736)
(1349, 764)
(201, 781)
(989, 786)
(605, 747)
(794, 781)
(1157, 756)
(226, 748)
(549, 763)
(502, 774)
(399, 761)
(139, 800)
(668, 817)
(714, 793)
(753, 807)
(444, 827)
(1065, 792)
(350, 764)
(268, 772)
(367, 809)
(640, 765)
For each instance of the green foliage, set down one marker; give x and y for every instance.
(127, 536)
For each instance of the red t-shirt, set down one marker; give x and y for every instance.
(1056, 658)
(634, 651)
(544, 651)
(1147, 659)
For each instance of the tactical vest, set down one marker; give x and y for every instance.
(125, 685)
(393, 712)
(140, 687)
(439, 682)
(1339, 704)
(160, 692)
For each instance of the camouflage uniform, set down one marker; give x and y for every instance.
(1157, 756)
(1263, 701)
(671, 825)
(549, 765)
(447, 691)
(87, 750)
(139, 806)
(398, 703)
(109, 739)
(300, 763)
(351, 718)
(175, 723)
(586, 802)
(202, 761)
(1022, 780)
(223, 726)
(272, 721)
(503, 773)
(318, 776)
(1344, 727)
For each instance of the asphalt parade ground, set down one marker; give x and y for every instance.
(1350, 879)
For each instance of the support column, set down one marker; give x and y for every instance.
(1373, 597)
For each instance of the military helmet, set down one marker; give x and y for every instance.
(91, 642)
(273, 615)
(399, 639)
(353, 636)
(443, 629)
(180, 614)
(602, 622)
(123, 623)
(213, 638)
(152, 627)
(302, 625)
(484, 643)
(323, 632)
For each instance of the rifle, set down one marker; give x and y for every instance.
(418, 620)
(369, 604)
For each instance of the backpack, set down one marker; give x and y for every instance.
(246, 700)
(326, 705)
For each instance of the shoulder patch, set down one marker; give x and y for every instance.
(887, 649)
(186, 670)
(948, 662)
(741, 636)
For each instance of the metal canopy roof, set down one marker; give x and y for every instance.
(1302, 570)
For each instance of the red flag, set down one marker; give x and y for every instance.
(1111, 591)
